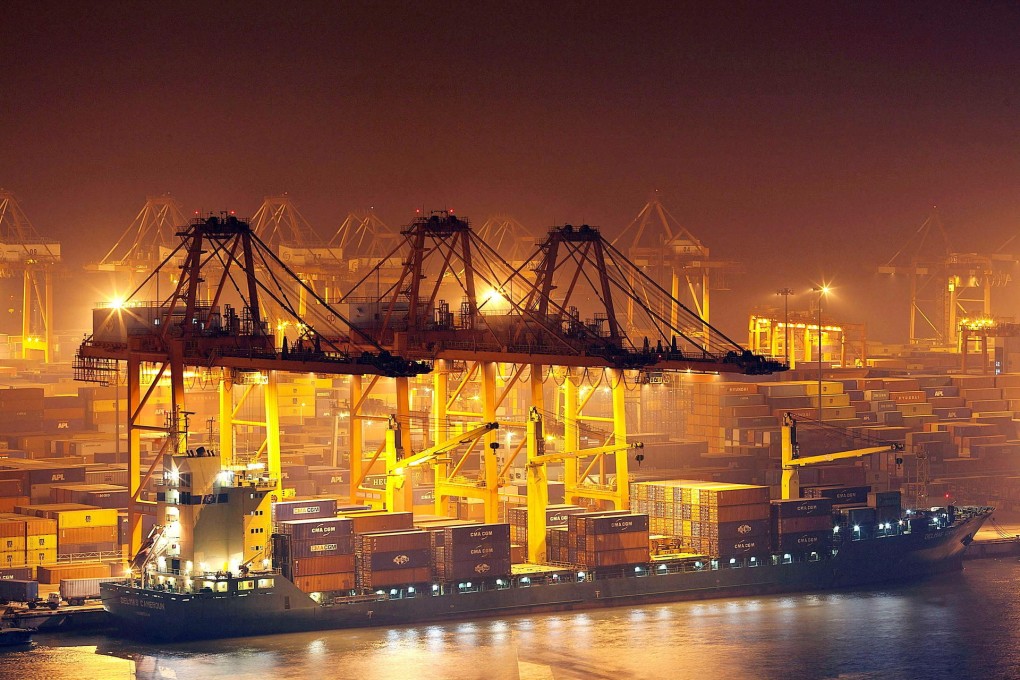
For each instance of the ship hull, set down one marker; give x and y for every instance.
(283, 609)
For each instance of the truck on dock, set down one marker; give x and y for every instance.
(20, 590)
(76, 591)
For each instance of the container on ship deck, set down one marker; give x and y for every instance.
(393, 577)
(309, 566)
(396, 559)
(64, 548)
(861, 515)
(319, 583)
(885, 499)
(315, 508)
(413, 539)
(803, 541)
(802, 507)
(736, 530)
(608, 524)
(322, 546)
(795, 525)
(466, 569)
(13, 526)
(366, 522)
(612, 558)
(477, 533)
(479, 551)
(748, 545)
(313, 529)
(842, 495)
(624, 541)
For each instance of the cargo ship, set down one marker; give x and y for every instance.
(311, 564)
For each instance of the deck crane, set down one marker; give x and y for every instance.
(538, 491)
(397, 497)
(792, 461)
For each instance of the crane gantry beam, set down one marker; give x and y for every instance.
(215, 321)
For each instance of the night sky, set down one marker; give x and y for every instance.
(806, 140)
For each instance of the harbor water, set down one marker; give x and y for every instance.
(964, 625)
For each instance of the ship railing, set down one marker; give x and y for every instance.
(90, 556)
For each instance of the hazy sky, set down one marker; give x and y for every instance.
(807, 140)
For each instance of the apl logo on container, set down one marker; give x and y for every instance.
(57, 477)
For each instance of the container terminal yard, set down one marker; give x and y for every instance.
(392, 409)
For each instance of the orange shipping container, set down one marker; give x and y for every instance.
(9, 543)
(308, 566)
(394, 577)
(8, 503)
(41, 556)
(52, 573)
(12, 527)
(12, 558)
(325, 582)
(41, 542)
(87, 535)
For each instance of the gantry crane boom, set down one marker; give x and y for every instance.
(792, 461)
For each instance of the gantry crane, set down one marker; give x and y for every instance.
(144, 244)
(678, 260)
(945, 285)
(225, 336)
(552, 316)
(24, 251)
(280, 225)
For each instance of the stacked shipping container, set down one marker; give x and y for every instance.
(712, 518)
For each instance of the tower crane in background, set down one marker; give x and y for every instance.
(679, 261)
(144, 244)
(24, 251)
(280, 225)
